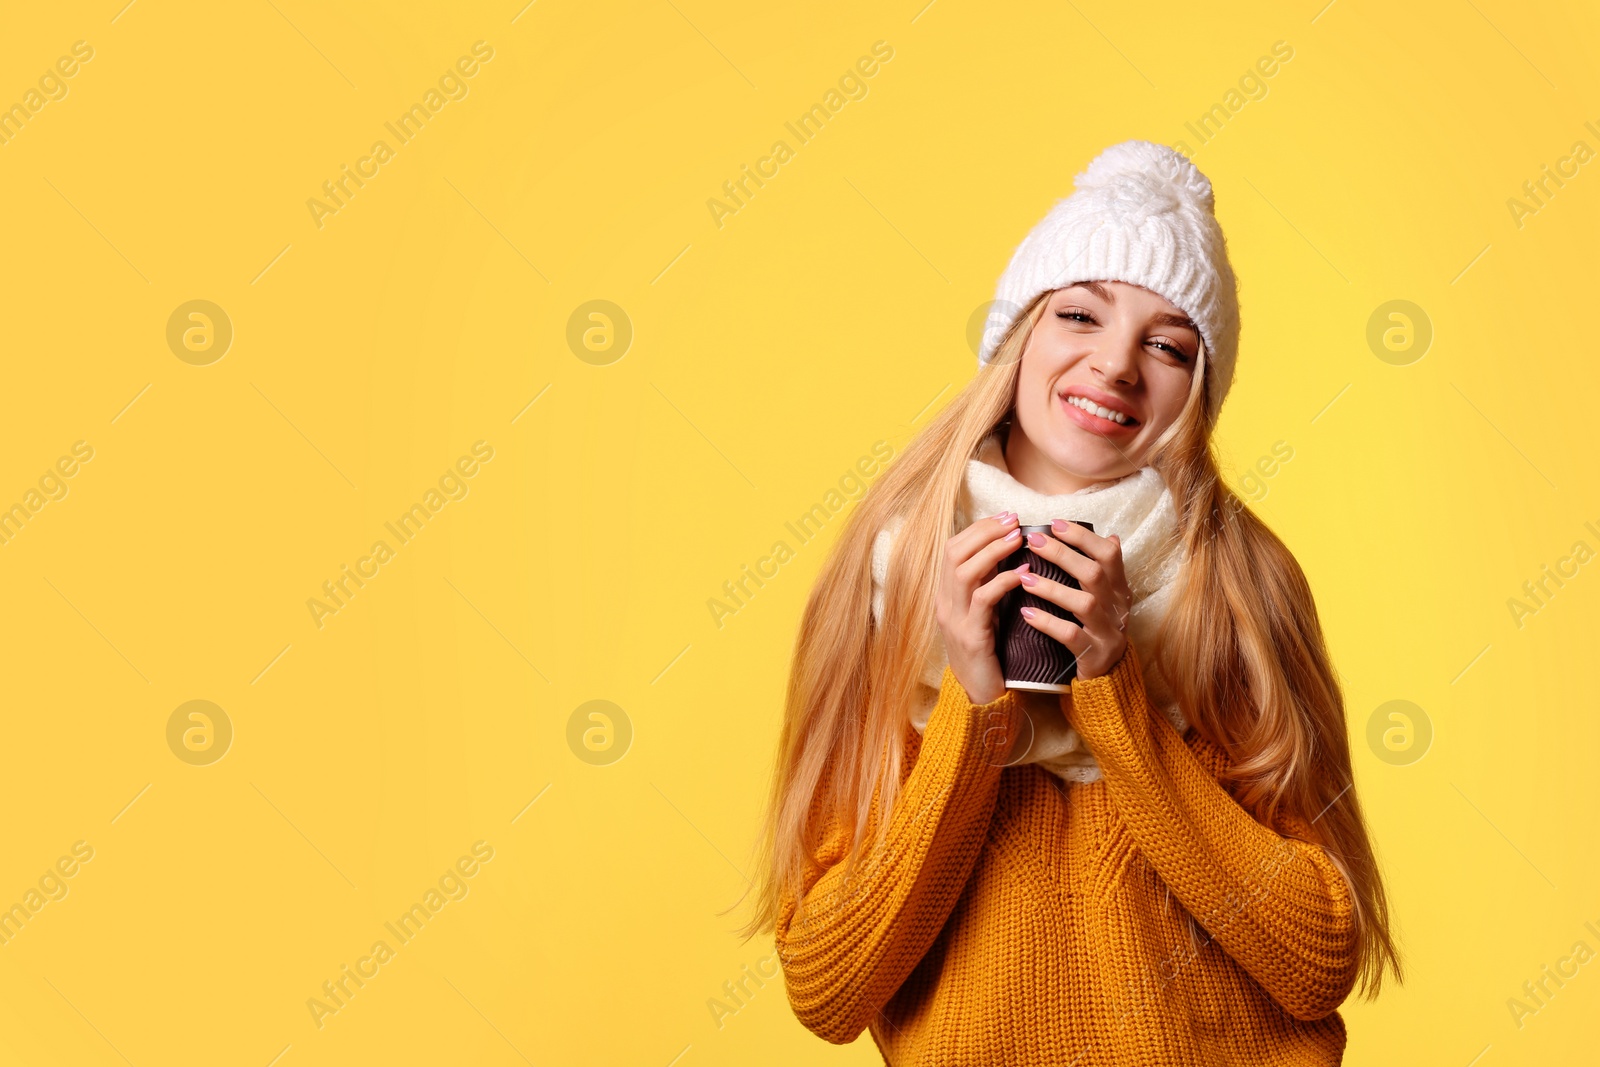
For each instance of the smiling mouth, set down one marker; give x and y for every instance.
(1103, 415)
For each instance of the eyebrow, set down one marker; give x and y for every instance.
(1163, 319)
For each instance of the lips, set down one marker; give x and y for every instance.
(1097, 412)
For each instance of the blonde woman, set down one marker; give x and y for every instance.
(1168, 863)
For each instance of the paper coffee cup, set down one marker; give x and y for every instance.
(1029, 658)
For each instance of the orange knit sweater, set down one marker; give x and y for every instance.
(1015, 919)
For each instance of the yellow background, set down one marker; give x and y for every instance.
(768, 355)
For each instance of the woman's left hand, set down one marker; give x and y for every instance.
(1101, 606)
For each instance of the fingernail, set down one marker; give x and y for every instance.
(1036, 539)
(1028, 578)
(1014, 535)
(1028, 613)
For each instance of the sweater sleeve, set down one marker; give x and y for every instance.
(856, 938)
(1276, 904)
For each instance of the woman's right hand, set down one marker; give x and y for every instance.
(969, 588)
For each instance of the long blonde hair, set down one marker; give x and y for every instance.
(1241, 645)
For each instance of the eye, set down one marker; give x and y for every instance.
(1176, 352)
(1080, 315)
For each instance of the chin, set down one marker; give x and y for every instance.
(1094, 463)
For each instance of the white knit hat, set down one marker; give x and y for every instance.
(1143, 214)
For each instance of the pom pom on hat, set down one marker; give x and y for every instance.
(1140, 213)
(1145, 165)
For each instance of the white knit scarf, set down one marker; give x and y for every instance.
(1137, 508)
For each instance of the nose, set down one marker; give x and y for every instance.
(1118, 358)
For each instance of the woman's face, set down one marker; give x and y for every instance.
(1098, 345)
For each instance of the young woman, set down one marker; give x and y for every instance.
(1166, 864)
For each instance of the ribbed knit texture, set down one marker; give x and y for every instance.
(1006, 922)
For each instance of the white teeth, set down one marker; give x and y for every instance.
(1095, 409)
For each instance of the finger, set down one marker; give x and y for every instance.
(988, 595)
(1102, 550)
(1064, 631)
(1080, 602)
(988, 557)
(1105, 551)
(1088, 571)
(1117, 561)
(966, 544)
